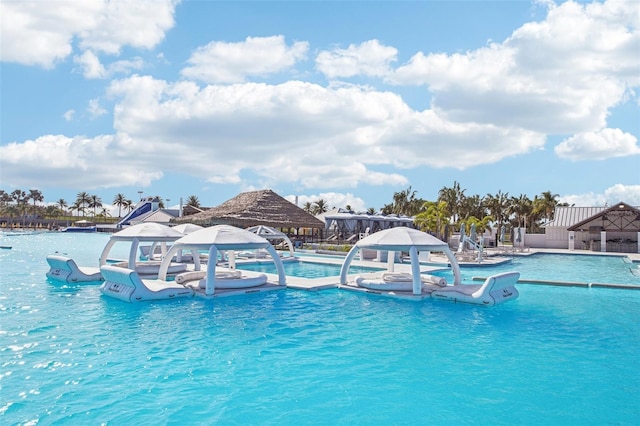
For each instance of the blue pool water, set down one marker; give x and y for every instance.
(564, 268)
(305, 269)
(69, 355)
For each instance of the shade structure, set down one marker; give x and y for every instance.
(217, 238)
(403, 239)
(252, 208)
(187, 228)
(272, 234)
(147, 232)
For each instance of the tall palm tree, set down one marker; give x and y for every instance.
(62, 205)
(36, 196)
(498, 205)
(94, 203)
(77, 206)
(547, 205)
(21, 199)
(307, 207)
(454, 197)
(82, 199)
(119, 200)
(405, 202)
(520, 207)
(320, 207)
(129, 205)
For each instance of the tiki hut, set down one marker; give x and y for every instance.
(254, 208)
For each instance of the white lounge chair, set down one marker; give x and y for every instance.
(65, 269)
(495, 290)
(126, 284)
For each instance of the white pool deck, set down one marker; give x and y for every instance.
(438, 262)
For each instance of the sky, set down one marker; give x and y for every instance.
(344, 101)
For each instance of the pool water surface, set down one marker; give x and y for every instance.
(556, 355)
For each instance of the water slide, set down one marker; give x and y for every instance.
(145, 206)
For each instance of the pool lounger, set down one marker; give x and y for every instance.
(65, 269)
(495, 290)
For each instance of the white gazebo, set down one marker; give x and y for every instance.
(403, 239)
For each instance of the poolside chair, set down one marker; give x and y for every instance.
(126, 285)
(495, 290)
(65, 269)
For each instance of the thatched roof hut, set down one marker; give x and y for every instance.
(254, 208)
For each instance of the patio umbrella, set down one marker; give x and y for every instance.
(502, 232)
(518, 235)
(473, 236)
(461, 245)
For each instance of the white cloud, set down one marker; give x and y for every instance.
(95, 110)
(629, 194)
(36, 35)
(331, 137)
(90, 65)
(294, 132)
(62, 160)
(600, 145)
(369, 58)
(221, 62)
(560, 75)
(68, 116)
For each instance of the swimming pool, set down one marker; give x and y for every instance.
(304, 269)
(562, 268)
(556, 355)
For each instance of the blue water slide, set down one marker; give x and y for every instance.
(143, 207)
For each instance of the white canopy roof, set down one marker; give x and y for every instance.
(224, 237)
(402, 239)
(187, 228)
(147, 231)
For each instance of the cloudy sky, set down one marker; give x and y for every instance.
(345, 101)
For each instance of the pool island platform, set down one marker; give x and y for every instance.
(439, 262)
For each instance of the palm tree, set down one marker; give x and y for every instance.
(547, 205)
(454, 198)
(94, 203)
(308, 207)
(62, 205)
(320, 207)
(119, 200)
(82, 200)
(129, 205)
(497, 205)
(193, 201)
(104, 213)
(472, 206)
(404, 202)
(21, 199)
(77, 206)
(36, 196)
(371, 210)
(434, 217)
(520, 207)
